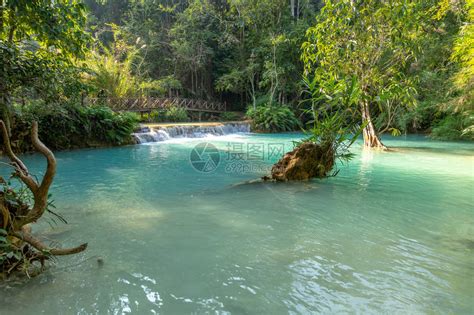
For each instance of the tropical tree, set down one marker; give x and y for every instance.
(373, 42)
(463, 55)
(262, 41)
(152, 21)
(194, 38)
(118, 70)
(38, 39)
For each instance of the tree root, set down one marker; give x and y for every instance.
(30, 239)
(19, 247)
(308, 160)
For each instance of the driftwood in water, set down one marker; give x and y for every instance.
(16, 215)
(306, 161)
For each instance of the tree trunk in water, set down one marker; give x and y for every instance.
(371, 139)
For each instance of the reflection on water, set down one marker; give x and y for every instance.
(436, 150)
(392, 233)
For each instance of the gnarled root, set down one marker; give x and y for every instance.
(306, 161)
(19, 246)
(30, 239)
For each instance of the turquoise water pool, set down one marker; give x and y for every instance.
(392, 233)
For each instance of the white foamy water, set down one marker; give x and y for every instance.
(180, 132)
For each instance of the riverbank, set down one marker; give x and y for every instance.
(75, 127)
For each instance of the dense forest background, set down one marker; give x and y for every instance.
(235, 51)
(248, 53)
(400, 66)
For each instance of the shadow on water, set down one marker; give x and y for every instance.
(467, 243)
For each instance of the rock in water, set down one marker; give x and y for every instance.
(306, 161)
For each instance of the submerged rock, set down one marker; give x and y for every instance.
(306, 161)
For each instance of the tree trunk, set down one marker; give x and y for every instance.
(371, 139)
(5, 112)
(252, 92)
(298, 9)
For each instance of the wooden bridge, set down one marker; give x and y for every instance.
(148, 104)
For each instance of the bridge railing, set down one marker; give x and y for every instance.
(145, 104)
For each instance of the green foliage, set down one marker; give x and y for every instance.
(176, 114)
(50, 23)
(332, 132)
(151, 21)
(463, 52)
(454, 126)
(111, 77)
(463, 55)
(71, 126)
(230, 116)
(216, 48)
(115, 71)
(276, 118)
(170, 84)
(333, 126)
(170, 114)
(441, 77)
(194, 36)
(107, 126)
(40, 44)
(372, 42)
(324, 90)
(409, 64)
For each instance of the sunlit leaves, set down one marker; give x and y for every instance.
(372, 42)
(55, 25)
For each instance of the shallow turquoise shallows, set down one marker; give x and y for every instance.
(392, 233)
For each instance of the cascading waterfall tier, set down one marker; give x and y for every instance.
(167, 132)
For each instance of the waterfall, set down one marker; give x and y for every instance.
(163, 133)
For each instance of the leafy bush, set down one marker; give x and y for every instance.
(176, 114)
(170, 114)
(273, 119)
(111, 71)
(230, 116)
(332, 132)
(70, 126)
(454, 127)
